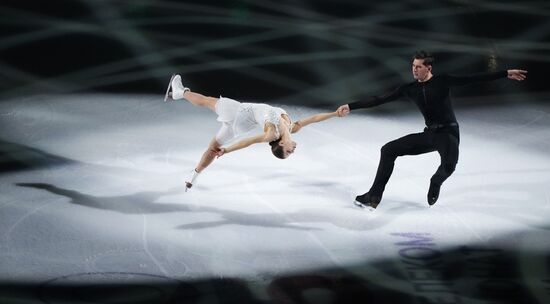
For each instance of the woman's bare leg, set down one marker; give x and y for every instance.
(209, 155)
(207, 158)
(201, 100)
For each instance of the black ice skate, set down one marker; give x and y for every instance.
(367, 201)
(433, 193)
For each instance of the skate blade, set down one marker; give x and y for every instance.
(169, 87)
(360, 205)
(188, 186)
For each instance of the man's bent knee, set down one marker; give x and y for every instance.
(388, 150)
(449, 168)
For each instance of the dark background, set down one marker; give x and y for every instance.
(294, 52)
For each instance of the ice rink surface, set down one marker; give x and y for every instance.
(93, 208)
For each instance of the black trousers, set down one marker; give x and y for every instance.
(444, 140)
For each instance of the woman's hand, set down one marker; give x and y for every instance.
(343, 110)
(220, 152)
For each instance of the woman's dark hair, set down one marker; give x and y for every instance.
(277, 150)
(423, 55)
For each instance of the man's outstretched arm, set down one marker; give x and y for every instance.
(371, 102)
(514, 74)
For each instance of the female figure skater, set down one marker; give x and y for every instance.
(238, 118)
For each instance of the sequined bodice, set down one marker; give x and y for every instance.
(253, 115)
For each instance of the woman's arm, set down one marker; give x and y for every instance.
(266, 137)
(313, 119)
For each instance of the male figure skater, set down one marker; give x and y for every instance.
(431, 94)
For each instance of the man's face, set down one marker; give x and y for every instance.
(420, 71)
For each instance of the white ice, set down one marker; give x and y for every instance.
(104, 191)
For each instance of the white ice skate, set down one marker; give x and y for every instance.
(175, 88)
(168, 92)
(191, 179)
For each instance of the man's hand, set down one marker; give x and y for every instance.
(343, 110)
(518, 75)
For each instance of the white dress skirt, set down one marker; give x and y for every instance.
(239, 118)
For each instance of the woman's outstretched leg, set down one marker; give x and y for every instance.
(201, 100)
(179, 91)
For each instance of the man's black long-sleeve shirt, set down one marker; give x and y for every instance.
(431, 97)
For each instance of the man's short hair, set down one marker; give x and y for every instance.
(427, 58)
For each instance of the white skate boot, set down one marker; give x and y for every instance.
(175, 88)
(191, 179)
